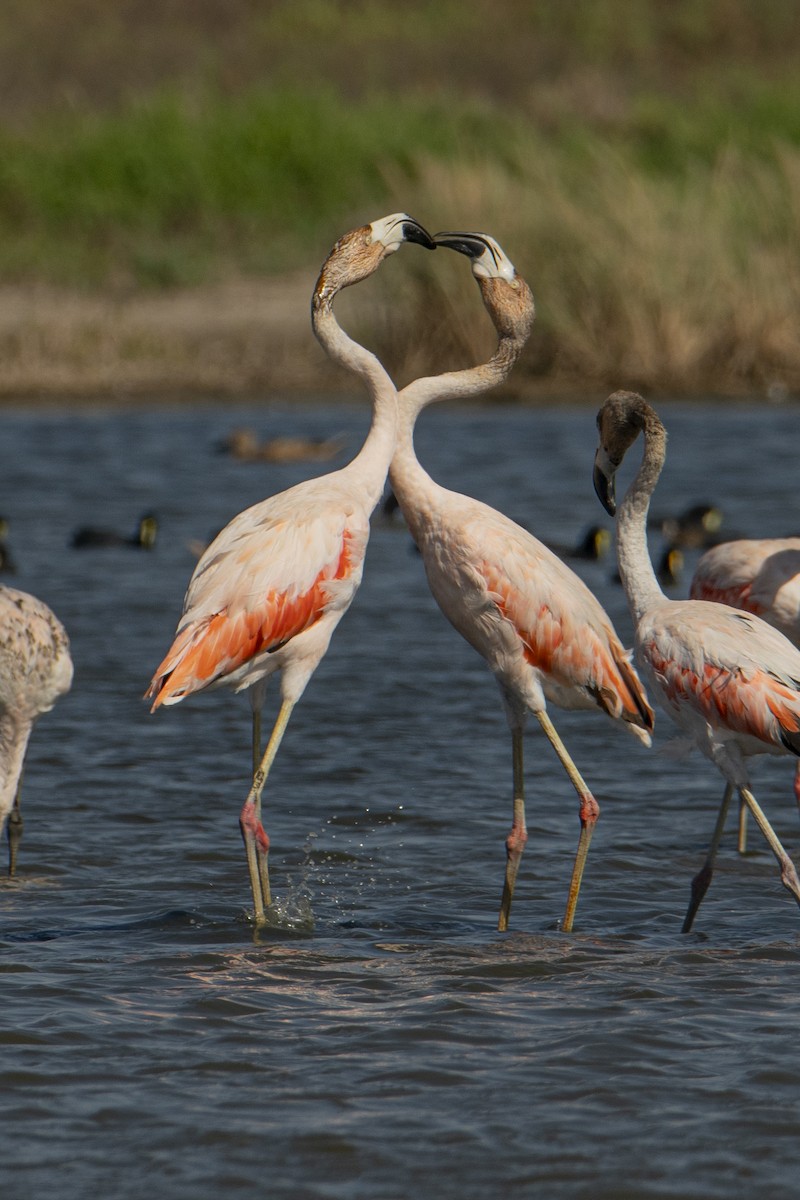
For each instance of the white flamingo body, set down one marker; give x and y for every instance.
(542, 632)
(728, 679)
(35, 670)
(761, 575)
(539, 628)
(268, 592)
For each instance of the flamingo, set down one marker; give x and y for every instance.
(724, 676)
(541, 631)
(35, 670)
(269, 591)
(761, 576)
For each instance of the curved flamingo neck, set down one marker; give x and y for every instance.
(372, 461)
(410, 481)
(635, 565)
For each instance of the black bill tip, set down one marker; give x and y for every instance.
(471, 244)
(604, 487)
(414, 232)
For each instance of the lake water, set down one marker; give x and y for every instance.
(389, 1044)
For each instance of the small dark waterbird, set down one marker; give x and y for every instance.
(245, 446)
(695, 528)
(594, 544)
(143, 538)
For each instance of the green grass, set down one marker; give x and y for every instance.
(169, 191)
(639, 160)
(172, 190)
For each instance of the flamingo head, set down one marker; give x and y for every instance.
(506, 295)
(359, 253)
(489, 260)
(622, 418)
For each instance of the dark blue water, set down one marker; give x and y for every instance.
(389, 1043)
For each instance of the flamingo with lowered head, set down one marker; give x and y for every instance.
(541, 631)
(269, 591)
(725, 677)
(35, 670)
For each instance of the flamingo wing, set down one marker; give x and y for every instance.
(761, 576)
(272, 573)
(729, 667)
(564, 630)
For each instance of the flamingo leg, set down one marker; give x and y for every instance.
(517, 838)
(256, 738)
(789, 877)
(742, 843)
(743, 810)
(14, 832)
(256, 842)
(589, 811)
(703, 877)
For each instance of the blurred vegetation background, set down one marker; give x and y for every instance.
(173, 173)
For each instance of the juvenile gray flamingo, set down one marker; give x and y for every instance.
(35, 670)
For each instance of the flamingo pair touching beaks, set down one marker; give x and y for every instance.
(269, 591)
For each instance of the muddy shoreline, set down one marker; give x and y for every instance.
(248, 339)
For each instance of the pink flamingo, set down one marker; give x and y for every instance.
(35, 670)
(727, 678)
(761, 576)
(271, 588)
(541, 631)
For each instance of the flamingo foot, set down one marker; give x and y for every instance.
(14, 835)
(789, 877)
(515, 845)
(251, 824)
(588, 813)
(256, 844)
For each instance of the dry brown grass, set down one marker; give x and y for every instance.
(644, 282)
